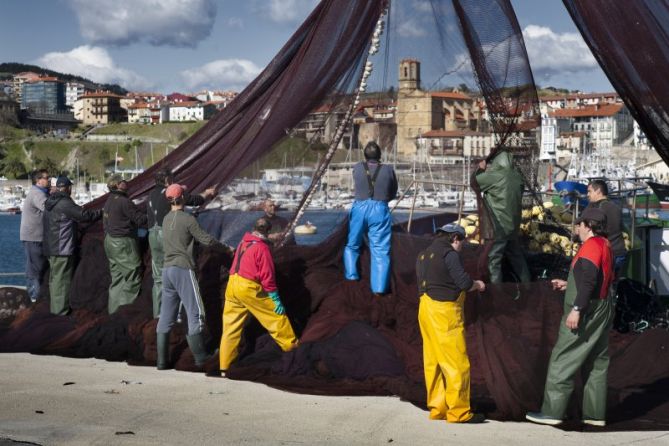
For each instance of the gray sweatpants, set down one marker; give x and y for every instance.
(180, 284)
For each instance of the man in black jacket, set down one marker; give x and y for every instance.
(598, 194)
(61, 216)
(121, 219)
(443, 284)
(158, 206)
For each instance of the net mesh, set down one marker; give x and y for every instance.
(352, 342)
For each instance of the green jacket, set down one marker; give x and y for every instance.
(502, 188)
(180, 230)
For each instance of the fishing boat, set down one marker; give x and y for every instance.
(662, 192)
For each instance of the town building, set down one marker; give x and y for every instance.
(139, 113)
(419, 112)
(187, 111)
(576, 100)
(605, 125)
(73, 92)
(43, 96)
(17, 83)
(9, 110)
(102, 107)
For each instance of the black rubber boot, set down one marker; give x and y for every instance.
(163, 351)
(197, 346)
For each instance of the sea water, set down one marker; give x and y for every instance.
(235, 224)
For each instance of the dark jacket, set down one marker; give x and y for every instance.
(440, 272)
(159, 206)
(614, 224)
(384, 183)
(121, 217)
(61, 216)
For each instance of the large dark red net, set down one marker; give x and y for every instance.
(630, 40)
(351, 341)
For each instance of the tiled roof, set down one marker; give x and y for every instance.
(452, 133)
(589, 110)
(450, 95)
(101, 94)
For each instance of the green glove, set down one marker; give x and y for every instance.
(278, 306)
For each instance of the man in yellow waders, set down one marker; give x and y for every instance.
(252, 289)
(443, 284)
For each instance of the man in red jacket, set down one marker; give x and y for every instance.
(252, 289)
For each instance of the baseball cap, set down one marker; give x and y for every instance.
(451, 228)
(174, 191)
(63, 181)
(592, 214)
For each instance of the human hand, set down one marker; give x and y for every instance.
(483, 165)
(480, 285)
(559, 285)
(278, 305)
(210, 192)
(572, 319)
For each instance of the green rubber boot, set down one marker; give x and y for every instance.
(163, 351)
(197, 346)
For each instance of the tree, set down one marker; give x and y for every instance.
(13, 167)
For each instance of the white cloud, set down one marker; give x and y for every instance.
(224, 74)
(93, 63)
(551, 53)
(285, 11)
(181, 23)
(411, 28)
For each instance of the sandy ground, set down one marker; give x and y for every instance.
(50, 400)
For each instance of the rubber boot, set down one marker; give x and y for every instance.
(163, 351)
(197, 346)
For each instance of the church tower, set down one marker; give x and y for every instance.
(409, 78)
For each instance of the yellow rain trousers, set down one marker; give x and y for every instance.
(244, 296)
(445, 358)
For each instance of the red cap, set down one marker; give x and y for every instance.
(174, 191)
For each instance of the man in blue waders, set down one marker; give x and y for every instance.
(375, 186)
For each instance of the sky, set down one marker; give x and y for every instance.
(191, 45)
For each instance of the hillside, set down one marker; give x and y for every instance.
(8, 69)
(22, 151)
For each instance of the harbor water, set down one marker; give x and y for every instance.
(235, 224)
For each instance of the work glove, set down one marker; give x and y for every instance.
(278, 306)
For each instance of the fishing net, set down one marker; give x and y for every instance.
(630, 41)
(352, 342)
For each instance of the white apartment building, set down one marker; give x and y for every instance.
(186, 111)
(605, 125)
(73, 92)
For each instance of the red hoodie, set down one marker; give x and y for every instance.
(256, 261)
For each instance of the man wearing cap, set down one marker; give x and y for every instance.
(61, 216)
(375, 186)
(583, 337)
(32, 231)
(443, 284)
(158, 206)
(502, 187)
(598, 196)
(252, 289)
(180, 231)
(121, 219)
